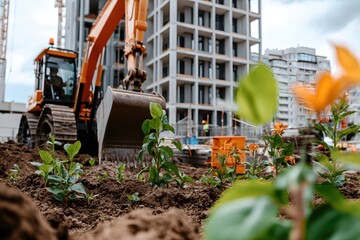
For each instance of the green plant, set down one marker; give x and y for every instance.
(331, 168)
(65, 184)
(278, 150)
(121, 172)
(212, 180)
(256, 166)
(89, 197)
(161, 170)
(92, 162)
(134, 197)
(102, 176)
(14, 173)
(50, 163)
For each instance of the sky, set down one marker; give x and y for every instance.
(285, 23)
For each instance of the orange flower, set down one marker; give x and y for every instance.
(253, 147)
(279, 128)
(326, 91)
(327, 88)
(349, 64)
(290, 159)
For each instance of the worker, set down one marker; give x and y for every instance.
(55, 84)
(205, 127)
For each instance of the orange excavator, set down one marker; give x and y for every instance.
(70, 107)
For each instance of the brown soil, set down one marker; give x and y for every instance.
(112, 202)
(180, 213)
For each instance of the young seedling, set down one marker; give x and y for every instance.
(92, 162)
(161, 170)
(121, 172)
(134, 197)
(14, 173)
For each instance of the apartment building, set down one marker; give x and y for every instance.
(196, 52)
(294, 65)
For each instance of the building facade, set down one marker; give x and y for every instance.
(196, 52)
(294, 65)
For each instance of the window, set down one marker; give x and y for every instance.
(220, 71)
(234, 3)
(182, 17)
(201, 69)
(235, 21)
(220, 46)
(201, 43)
(182, 41)
(235, 73)
(201, 18)
(235, 49)
(165, 71)
(181, 67)
(220, 22)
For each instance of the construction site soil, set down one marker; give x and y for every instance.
(174, 212)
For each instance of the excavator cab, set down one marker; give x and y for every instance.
(55, 76)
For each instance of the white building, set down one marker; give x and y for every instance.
(294, 65)
(196, 52)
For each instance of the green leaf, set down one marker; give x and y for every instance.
(36, 164)
(46, 168)
(155, 110)
(167, 152)
(170, 166)
(46, 156)
(177, 144)
(167, 178)
(72, 149)
(154, 176)
(251, 188)
(58, 193)
(243, 219)
(294, 176)
(168, 127)
(56, 179)
(328, 223)
(146, 127)
(334, 197)
(156, 124)
(78, 187)
(351, 159)
(349, 130)
(257, 95)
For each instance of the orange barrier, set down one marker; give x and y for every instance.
(225, 145)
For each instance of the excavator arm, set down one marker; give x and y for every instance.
(135, 12)
(122, 111)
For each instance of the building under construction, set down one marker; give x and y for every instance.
(196, 52)
(10, 112)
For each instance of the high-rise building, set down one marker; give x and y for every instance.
(196, 52)
(294, 65)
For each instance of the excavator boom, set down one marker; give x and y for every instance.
(122, 111)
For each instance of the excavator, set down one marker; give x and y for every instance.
(72, 109)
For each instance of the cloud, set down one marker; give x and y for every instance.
(30, 27)
(338, 16)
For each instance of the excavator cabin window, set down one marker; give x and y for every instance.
(60, 75)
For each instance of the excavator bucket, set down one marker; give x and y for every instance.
(119, 119)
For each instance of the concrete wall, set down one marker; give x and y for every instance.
(9, 124)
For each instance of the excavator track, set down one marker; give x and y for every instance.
(27, 129)
(60, 121)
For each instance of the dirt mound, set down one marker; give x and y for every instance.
(20, 218)
(141, 224)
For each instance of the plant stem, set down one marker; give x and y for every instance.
(298, 231)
